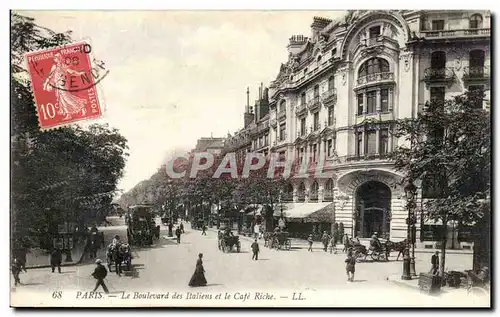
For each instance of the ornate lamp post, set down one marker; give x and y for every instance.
(409, 261)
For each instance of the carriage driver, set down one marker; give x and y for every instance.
(375, 242)
(116, 241)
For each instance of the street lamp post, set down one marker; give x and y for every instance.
(409, 261)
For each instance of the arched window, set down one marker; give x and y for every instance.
(373, 66)
(331, 83)
(301, 193)
(288, 193)
(282, 106)
(328, 194)
(476, 21)
(314, 191)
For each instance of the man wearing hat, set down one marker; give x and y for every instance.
(310, 240)
(375, 242)
(99, 274)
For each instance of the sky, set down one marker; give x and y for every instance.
(176, 76)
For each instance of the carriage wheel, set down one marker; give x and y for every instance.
(223, 246)
(288, 245)
(477, 291)
(375, 255)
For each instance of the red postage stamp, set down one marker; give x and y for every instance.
(64, 85)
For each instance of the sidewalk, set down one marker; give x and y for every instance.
(413, 284)
(39, 258)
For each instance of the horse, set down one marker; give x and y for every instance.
(114, 255)
(397, 246)
(126, 253)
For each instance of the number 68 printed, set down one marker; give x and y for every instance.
(49, 110)
(57, 294)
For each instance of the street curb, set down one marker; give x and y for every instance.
(399, 283)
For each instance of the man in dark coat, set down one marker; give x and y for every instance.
(435, 263)
(204, 228)
(181, 226)
(255, 250)
(178, 234)
(325, 238)
(56, 260)
(16, 270)
(100, 274)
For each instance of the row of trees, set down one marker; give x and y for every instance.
(448, 148)
(64, 175)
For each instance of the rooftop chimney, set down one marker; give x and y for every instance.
(318, 24)
(295, 43)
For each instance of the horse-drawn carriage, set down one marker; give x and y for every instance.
(279, 240)
(361, 252)
(141, 227)
(226, 242)
(119, 254)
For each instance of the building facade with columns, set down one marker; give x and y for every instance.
(342, 88)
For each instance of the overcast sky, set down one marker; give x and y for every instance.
(178, 76)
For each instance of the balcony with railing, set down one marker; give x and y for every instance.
(314, 104)
(476, 73)
(329, 97)
(301, 109)
(455, 33)
(365, 157)
(376, 78)
(439, 75)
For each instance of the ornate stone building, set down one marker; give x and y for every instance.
(343, 86)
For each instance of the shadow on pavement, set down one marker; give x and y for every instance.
(214, 284)
(359, 281)
(31, 284)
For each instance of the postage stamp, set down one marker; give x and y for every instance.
(64, 84)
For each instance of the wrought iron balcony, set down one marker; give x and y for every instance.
(439, 75)
(476, 73)
(329, 97)
(314, 104)
(455, 33)
(377, 77)
(301, 109)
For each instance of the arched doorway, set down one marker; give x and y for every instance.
(373, 214)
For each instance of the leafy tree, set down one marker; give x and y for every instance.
(64, 175)
(448, 147)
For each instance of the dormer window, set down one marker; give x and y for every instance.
(476, 21)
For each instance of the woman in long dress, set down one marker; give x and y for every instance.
(198, 278)
(69, 104)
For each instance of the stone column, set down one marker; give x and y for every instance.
(364, 103)
(377, 140)
(295, 190)
(390, 99)
(377, 102)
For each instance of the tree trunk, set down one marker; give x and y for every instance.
(444, 240)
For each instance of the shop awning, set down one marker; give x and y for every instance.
(324, 214)
(251, 209)
(301, 211)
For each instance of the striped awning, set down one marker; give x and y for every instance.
(302, 210)
(324, 214)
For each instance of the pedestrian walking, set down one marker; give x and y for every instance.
(178, 234)
(333, 245)
(198, 278)
(204, 230)
(16, 270)
(100, 274)
(181, 226)
(435, 263)
(255, 250)
(256, 231)
(325, 239)
(350, 266)
(310, 241)
(56, 259)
